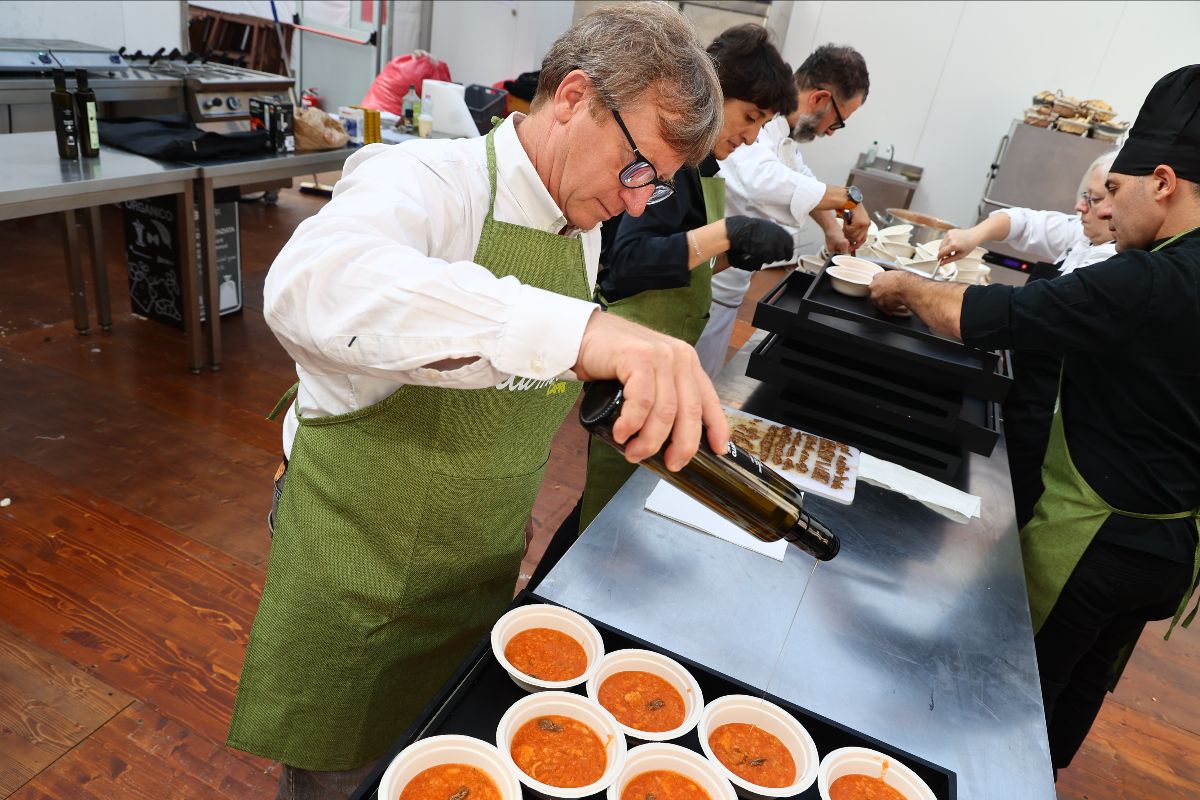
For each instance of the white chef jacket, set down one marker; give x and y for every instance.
(767, 180)
(1054, 236)
(381, 282)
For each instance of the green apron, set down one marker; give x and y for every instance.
(1066, 519)
(398, 541)
(681, 312)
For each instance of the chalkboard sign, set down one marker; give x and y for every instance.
(152, 255)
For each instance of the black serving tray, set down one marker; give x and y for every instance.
(853, 326)
(950, 417)
(473, 700)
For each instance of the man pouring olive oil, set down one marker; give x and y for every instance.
(438, 310)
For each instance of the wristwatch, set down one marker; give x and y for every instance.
(853, 198)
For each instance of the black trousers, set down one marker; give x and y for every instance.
(559, 544)
(1109, 598)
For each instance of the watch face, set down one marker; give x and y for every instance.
(854, 193)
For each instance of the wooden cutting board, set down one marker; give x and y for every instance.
(812, 463)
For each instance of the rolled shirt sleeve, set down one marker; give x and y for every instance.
(1047, 234)
(1102, 307)
(356, 291)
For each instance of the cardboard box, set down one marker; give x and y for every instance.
(152, 255)
(273, 115)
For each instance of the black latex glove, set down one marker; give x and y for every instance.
(754, 242)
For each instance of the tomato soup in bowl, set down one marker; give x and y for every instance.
(668, 772)
(654, 698)
(439, 767)
(763, 750)
(561, 745)
(856, 773)
(543, 647)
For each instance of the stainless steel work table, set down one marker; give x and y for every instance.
(34, 180)
(917, 633)
(239, 172)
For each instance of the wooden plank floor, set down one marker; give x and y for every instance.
(134, 548)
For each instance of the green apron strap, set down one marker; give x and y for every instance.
(287, 398)
(491, 165)
(1187, 621)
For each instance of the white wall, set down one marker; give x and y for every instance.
(948, 78)
(485, 41)
(137, 24)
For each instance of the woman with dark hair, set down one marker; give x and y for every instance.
(657, 268)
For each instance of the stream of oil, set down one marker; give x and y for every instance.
(796, 613)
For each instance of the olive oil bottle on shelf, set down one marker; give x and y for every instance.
(734, 484)
(65, 127)
(85, 112)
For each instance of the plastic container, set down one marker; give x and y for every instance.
(424, 125)
(556, 618)
(666, 668)
(449, 749)
(485, 102)
(775, 721)
(872, 154)
(589, 712)
(671, 757)
(863, 761)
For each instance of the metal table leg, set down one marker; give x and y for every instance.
(99, 268)
(185, 232)
(208, 270)
(75, 272)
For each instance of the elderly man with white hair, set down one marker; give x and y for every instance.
(1069, 242)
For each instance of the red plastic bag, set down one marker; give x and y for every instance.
(411, 69)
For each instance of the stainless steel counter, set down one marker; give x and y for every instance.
(918, 633)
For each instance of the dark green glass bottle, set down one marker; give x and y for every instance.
(734, 484)
(85, 114)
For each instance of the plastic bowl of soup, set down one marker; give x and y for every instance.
(546, 647)
(561, 745)
(654, 698)
(763, 750)
(426, 769)
(851, 772)
(669, 772)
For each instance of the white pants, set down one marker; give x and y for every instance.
(713, 343)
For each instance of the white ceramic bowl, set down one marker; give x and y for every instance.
(566, 704)
(546, 616)
(656, 664)
(420, 756)
(896, 233)
(861, 761)
(775, 721)
(660, 756)
(973, 274)
(896, 249)
(849, 281)
(844, 260)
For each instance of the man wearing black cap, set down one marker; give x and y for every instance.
(1113, 541)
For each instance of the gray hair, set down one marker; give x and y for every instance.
(1103, 163)
(642, 52)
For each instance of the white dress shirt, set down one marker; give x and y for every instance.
(1054, 236)
(767, 180)
(381, 282)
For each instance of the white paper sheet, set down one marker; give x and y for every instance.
(946, 500)
(673, 504)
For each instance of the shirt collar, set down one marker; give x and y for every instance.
(516, 172)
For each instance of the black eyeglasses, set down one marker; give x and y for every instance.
(841, 121)
(640, 173)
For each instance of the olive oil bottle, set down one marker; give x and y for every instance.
(65, 124)
(734, 484)
(85, 112)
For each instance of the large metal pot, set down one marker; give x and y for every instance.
(925, 227)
